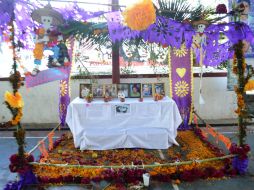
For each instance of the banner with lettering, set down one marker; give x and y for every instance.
(181, 82)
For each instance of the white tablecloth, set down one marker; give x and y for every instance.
(100, 126)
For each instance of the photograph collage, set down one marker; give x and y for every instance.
(130, 90)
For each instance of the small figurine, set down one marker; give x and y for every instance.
(89, 97)
(199, 40)
(106, 98)
(48, 40)
(121, 96)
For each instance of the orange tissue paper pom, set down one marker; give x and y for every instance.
(140, 16)
(15, 101)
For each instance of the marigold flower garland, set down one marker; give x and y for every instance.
(14, 101)
(20, 161)
(15, 104)
(239, 68)
(64, 153)
(240, 163)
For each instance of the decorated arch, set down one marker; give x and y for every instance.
(55, 32)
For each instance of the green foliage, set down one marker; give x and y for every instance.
(178, 10)
(88, 34)
(223, 65)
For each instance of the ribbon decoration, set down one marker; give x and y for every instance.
(211, 131)
(218, 136)
(225, 140)
(43, 150)
(195, 119)
(180, 81)
(50, 139)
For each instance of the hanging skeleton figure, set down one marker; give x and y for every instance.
(48, 40)
(198, 43)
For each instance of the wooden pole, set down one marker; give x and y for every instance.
(134, 166)
(115, 52)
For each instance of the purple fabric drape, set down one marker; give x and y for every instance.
(181, 77)
(117, 31)
(64, 89)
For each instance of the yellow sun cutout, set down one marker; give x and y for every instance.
(181, 88)
(180, 52)
(63, 88)
(62, 108)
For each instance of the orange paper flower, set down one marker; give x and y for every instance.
(15, 101)
(140, 16)
(249, 85)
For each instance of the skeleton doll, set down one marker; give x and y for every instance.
(47, 38)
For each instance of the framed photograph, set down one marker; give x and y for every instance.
(110, 90)
(135, 90)
(122, 109)
(123, 88)
(84, 90)
(147, 90)
(97, 90)
(159, 88)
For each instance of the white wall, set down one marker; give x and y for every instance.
(41, 103)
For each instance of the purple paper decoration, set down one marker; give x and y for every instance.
(164, 31)
(169, 32)
(25, 26)
(27, 178)
(217, 54)
(74, 12)
(241, 165)
(24, 23)
(117, 30)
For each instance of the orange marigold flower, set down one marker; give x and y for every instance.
(140, 16)
(235, 70)
(249, 85)
(237, 111)
(15, 101)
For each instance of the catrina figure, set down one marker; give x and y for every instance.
(48, 39)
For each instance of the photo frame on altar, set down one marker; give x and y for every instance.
(110, 90)
(159, 88)
(84, 90)
(147, 90)
(98, 90)
(123, 88)
(122, 109)
(135, 90)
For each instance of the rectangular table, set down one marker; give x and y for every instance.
(103, 125)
